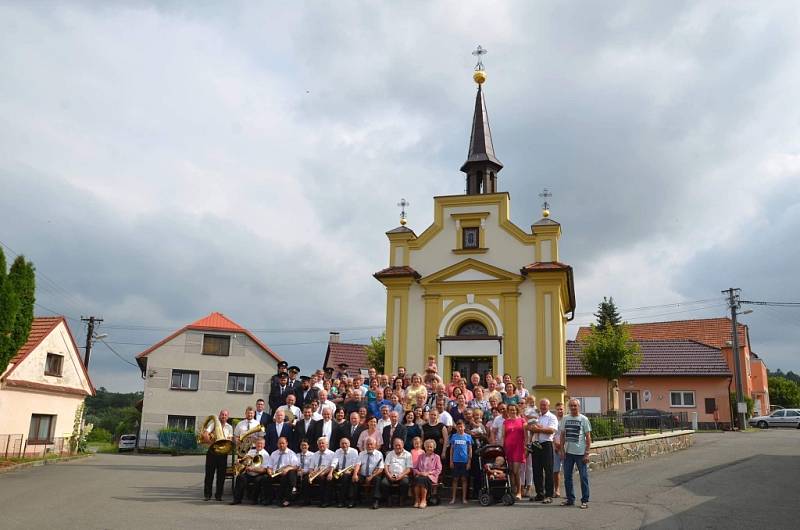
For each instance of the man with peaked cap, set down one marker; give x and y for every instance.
(293, 382)
(342, 370)
(277, 397)
(304, 392)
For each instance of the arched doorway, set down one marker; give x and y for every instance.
(473, 364)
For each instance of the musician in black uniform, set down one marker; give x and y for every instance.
(304, 392)
(277, 396)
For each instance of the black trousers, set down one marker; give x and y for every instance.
(281, 487)
(252, 485)
(375, 485)
(322, 483)
(543, 464)
(385, 486)
(344, 488)
(215, 464)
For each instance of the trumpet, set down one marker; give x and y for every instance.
(277, 471)
(339, 472)
(220, 445)
(316, 473)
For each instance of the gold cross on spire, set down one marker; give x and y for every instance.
(545, 205)
(402, 204)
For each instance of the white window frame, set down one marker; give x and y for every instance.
(241, 377)
(189, 421)
(632, 393)
(682, 394)
(183, 373)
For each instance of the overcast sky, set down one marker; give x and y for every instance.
(162, 161)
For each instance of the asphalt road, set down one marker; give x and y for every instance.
(727, 480)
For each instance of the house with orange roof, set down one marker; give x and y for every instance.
(203, 367)
(353, 355)
(42, 388)
(715, 333)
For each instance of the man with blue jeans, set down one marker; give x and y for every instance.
(576, 439)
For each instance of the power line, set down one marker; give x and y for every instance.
(118, 355)
(136, 327)
(270, 345)
(671, 312)
(660, 306)
(773, 304)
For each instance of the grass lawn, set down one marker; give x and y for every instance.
(102, 447)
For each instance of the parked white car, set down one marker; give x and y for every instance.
(127, 442)
(779, 418)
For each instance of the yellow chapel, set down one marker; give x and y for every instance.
(474, 290)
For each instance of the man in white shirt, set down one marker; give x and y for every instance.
(384, 420)
(396, 471)
(323, 461)
(291, 411)
(304, 467)
(215, 463)
(345, 457)
(245, 425)
(497, 424)
(444, 416)
(368, 468)
(543, 431)
(283, 463)
(251, 480)
(324, 402)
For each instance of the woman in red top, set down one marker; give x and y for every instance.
(514, 445)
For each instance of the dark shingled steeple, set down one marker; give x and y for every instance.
(482, 165)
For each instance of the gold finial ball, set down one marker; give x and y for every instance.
(479, 76)
(545, 213)
(403, 221)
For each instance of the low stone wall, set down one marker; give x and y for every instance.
(613, 452)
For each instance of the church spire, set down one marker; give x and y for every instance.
(481, 165)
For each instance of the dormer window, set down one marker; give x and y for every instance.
(53, 364)
(216, 345)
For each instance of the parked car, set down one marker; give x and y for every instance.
(127, 442)
(779, 418)
(649, 419)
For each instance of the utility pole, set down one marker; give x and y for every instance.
(733, 302)
(89, 336)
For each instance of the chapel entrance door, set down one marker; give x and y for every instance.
(471, 365)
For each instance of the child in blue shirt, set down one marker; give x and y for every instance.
(460, 460)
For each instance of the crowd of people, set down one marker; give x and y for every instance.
(406, 433)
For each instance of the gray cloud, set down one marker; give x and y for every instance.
(161, 162)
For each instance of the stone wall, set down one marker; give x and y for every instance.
(613, 452)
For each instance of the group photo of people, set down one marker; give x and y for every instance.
(336, 439)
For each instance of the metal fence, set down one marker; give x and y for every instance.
(611, 426)
(16, 446)
(175, 442)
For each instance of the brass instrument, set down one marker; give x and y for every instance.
(246, 461)
(243, 447)
(220, 445)
(316, 473)
(277, 471)
(339, 472)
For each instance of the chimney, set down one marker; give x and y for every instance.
(334, 338)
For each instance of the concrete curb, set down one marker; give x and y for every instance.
(37, 463)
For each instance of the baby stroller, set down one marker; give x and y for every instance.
(494, 489)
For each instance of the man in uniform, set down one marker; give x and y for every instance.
(283, 463)
(277, 396)
(251, 480)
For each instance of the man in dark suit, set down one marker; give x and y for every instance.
(395, 429)
(277, 397)
(279, 428)
(304, 392)
(304, 429)
(262, 416)
(294, 382)
(351, 430)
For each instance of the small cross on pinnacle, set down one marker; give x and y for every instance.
(403, 204)
(479, 52)
(545, 205)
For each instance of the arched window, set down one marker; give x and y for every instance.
(472, 327)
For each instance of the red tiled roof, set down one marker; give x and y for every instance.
(213, 322)
(396, 272)
(663, 357)
(41, 327)
(545, 266)
(355, 355)
(714, 332)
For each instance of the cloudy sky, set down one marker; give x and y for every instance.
(162, 161)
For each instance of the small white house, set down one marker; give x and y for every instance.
(211, 364)
(41, 390)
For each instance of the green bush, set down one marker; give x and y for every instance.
(99, 435)
(606, 428)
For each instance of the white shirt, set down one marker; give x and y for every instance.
(369, 462)
(327, 428)
(396, 464)
(446, 419)
(319, 385)
(383, 423)
(497, 427)
(305, 461)
(258, 415)
(316, 416)
(293, 409)
(279, 428)
(327, 404)
(342, 460)
(244, 426)
(549, 421)
(227, 430)
(264, 457)
(289, 459)
(323, 459)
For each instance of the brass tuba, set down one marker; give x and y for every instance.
(244, 447)
(220, 445)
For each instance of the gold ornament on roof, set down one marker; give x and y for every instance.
(479, 76)
(402, 204)
(545, 205)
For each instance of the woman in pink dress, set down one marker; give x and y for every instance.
(514, 445)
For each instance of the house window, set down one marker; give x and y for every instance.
(631, 400)
(41, 431)
(183, 423)
(184, 380)
(681, 398)
(241, 383)
(711, 405)
(53, 364)
(471, 237)
(216, 344)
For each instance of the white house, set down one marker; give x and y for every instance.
(42, 388)
(211, 364)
